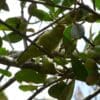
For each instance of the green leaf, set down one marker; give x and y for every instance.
(81, 55)
(3, 52)
(69, 43)
(27, 87)
(56, 1)
(60, 60)
(14, 22)
(5, 72)
(56, 90)
(67, 31)
(97, 3)
(30, 52)
(12, 37)
(79, 69)
(4, 5)
(68, 3)
(29, 75)
(68, 91)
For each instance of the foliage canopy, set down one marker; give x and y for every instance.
(50, 57)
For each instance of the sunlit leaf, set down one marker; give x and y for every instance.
(97, 2)
(5, 72)
(27, 87)
(67, 32)
(3, 52)
(28, 75)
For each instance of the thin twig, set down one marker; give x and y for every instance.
(6, 61)
(88, 41)
(7, 84)
(44, 87)
(54, 22)
(92, 95)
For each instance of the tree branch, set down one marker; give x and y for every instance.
(7, 84)
(88, 9)
(2, 76)
(28, 65)
(92, 95)
(6, 61)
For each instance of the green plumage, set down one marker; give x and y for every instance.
(49, 41)
(51, 38)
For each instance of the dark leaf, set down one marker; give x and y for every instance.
(56, 90)
(14, 22)
(4, 5)
(79, 69)
(12, 37)
(56, 1)
(68, 91)
(68, 3)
